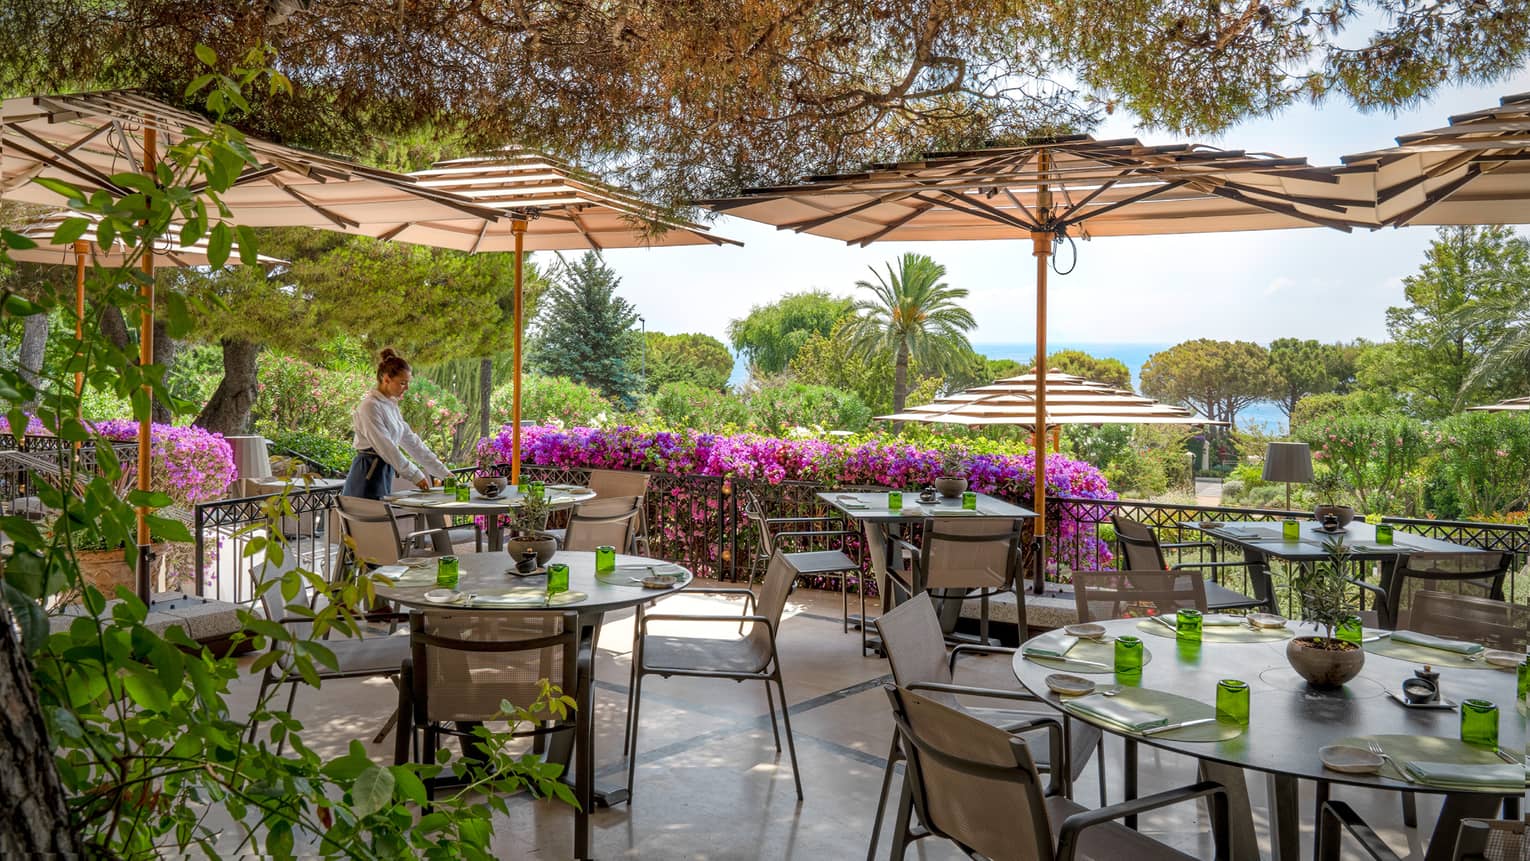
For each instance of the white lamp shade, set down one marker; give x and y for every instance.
(250, 456)
(1288, 461)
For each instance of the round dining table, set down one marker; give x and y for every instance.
(491, 508)
(1291, 721)
(485, 583)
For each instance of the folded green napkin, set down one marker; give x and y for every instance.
(1118, 713)
(1460, 647)
(1054, 644)
(1480, 777)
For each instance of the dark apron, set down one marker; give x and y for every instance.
(370, 477)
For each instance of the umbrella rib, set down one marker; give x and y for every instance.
(810, 223)
(1282, 209)
(1433, 172)
(1436, 196)
(573, 216)
(67, 161)
(914, 212)
(988, 211)
(338, 219)
(478, 240)
(1073, 219)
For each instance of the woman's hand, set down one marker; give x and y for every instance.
(423, 484)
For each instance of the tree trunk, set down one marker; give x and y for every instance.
(115, 328)
(228, 410)
(900, 384)
(485, 391)
(34, 822)
(165, 348)
(34, 343)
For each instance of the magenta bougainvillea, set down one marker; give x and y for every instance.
(190, 464)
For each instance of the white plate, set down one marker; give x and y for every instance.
(1067, 685)
(1349, 760)
(1086, 630)
(1500, 658)
(442, 596)
(1266, 620)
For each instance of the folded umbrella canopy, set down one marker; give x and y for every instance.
(88, 138)
(550, 206)
(1056, 188)
(1070, 400)
(1505, 406)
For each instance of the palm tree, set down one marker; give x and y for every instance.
(913, 315)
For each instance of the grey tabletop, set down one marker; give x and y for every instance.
(558, 496)
(1265, 537)
(487, 576)
(1291, 721)
(873, 507)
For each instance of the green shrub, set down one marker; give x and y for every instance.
(688, 405)
(333, 455)
(782, 405)
(293, 395)
(552, 399)
(434, 413)
(1486, 459)
(1378, 457)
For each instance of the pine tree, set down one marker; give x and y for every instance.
(586, 332)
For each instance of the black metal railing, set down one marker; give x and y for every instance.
(223, 566)
(27, 460)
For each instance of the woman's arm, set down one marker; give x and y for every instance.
(422, 454)
(369, 417)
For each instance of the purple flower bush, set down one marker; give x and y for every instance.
(878, 461)
(34, 426)
(190, 464)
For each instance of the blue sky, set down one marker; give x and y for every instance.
(1255, 286)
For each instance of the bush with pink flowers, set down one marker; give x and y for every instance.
(191, 465)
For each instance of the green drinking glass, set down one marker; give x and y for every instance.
(1128, 654)
(523, 488)
(1384, 533)
(895, 500)
(538, 490)
(1232, 701)
(464, 492)
(1522, 692)
(447, 570)
(1479, 723)
(449, 484)
(605, 559)
(1187, 625)
(557, 578)
(969, 500)
(1351, 630)
(1290, 529)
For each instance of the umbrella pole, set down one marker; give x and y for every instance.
(146, 358)
(518, 229)
(1041, 247)
(79, 316)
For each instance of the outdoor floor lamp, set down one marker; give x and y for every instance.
(1288, 462)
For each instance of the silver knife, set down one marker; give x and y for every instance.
(1181, 725)
(1164, 621)
(1507, 757)
(1081, 661)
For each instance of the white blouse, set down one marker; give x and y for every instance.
(380, 426)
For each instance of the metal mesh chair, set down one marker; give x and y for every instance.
(609, 521)
(1495, 624)
(916, 650)
(977, 786)
(1478, 839)
(961, 558)
(1102, 595)
(607, 483)
(782, 533)
(751, 656)
(1138, 546)
(374, 535)
(1473, 573)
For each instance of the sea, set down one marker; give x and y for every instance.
(1261, 416)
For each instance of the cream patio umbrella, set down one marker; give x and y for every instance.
(88, 138)
(550, 206)
(1058, 188)
(1505, 406)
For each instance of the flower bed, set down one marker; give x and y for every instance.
(191, 464)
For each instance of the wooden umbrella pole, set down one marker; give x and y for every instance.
(146, 358)
(1041, 247)
(79, 314)
(518, 230)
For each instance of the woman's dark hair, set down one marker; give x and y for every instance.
(391, 364)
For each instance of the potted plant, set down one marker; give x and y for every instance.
(952, 481)
(1325, 661)
(1328, 484)
(527, 524)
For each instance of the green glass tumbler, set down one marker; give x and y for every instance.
(449, 484)
(1290, 529)
(538, 490)
(605, 559)
(557, 578)
(464, 492)
(895, 500)
(1351, 630)
(1384, 533)
(447, 569)
(969, 500)
(1479, 723)
(523, 488)
(1232, 701)
(1522, 692)
(1187, 625)
(1128, 654)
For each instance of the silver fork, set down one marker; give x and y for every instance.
(1375, 748)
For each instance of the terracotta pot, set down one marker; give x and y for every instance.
(1323, 662)
(545, 545)
(105, 570)
(1343, 512)
(950, 487)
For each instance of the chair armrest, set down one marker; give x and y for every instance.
(1215, 793)
(1192, 566)
(748, 594)
(811, 533)
(683, 617)
(1338, 817)
(1180, 545)
(420, 533)
(1380, 593)
(775, 520)
(977, 647)
(964, 690)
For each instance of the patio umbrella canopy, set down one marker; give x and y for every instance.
(1070, 400)
(1057, 188)
(86, 138)
(1505, 406)
(549, 206)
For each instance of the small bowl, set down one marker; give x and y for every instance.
(660, 581)
(1500, 658)
(442, 596)
(1349, 759)
(489, 486)
(1065, 685)
(1085, 630)
(1266, 620)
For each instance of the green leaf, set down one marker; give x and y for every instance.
(146, 690)
(15, 241)
(206, 55)
(249, 254)
(372, 791)
(29, 617)
(219, 241)
(67, 190)
(70, 230)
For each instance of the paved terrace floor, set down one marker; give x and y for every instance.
(710, 785)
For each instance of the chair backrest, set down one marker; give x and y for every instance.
(618, 482)
(611, 520)
(370, 526)
(1495, 624)
(779, 576)
(1137, 545)
(754, 511)
(1471, 573)
(1102, 595)
(968, 553)
(465, 663)
(972, 783)
(914, 643)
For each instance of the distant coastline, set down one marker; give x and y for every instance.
(1133, 355)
